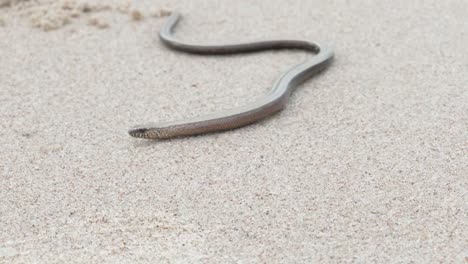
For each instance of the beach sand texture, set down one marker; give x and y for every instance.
(368, 162)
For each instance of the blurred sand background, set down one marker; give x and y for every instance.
(368, 163)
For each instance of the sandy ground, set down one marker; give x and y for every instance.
(368, 163)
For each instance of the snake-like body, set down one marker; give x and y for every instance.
(267, 105)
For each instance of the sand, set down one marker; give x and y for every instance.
(368, 163)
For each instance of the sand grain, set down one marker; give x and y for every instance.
(54, 14)
(367, 164)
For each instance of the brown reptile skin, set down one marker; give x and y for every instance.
(272, 103)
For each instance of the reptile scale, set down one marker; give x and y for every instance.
(267, 105)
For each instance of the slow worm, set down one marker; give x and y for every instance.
(269, 104)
